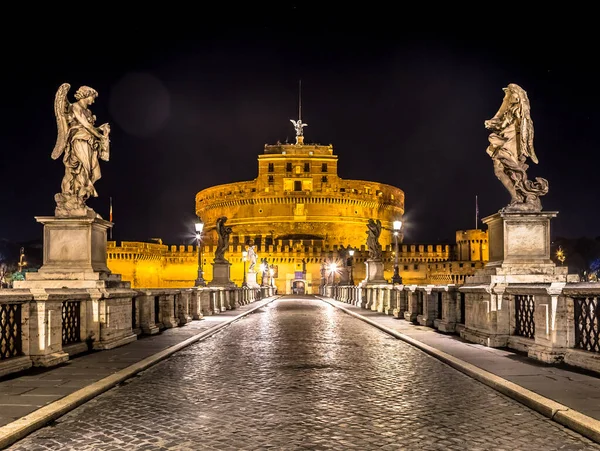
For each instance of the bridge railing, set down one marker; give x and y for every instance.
(552, 323)
(45, 328)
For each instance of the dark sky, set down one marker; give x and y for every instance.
(193, 110)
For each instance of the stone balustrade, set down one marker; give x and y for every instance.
(46, 327)
(552, 323)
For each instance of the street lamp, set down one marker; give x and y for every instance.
(200, 282)
(332, 269)
(271, 273)
(244, 255)
(351, 260)
(396, 277)
(560, 255)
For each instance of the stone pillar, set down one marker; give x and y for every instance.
(115, 320)
(45, 330)
(450, 310)
(168, 311)
(388, 306)
(215, 301)
(196, 304)
(429, 307)
(182, 304)
(551, 325)
(411, 305)
(222, 300)
(400, 303)
(146, 307)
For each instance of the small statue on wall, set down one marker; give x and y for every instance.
(373, 233)
(224, 233)
(81, 145)
(511, 143)
(251, 255)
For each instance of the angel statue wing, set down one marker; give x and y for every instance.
(61, 107)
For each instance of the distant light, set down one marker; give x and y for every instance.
(351, 252)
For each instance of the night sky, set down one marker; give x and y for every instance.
(193, 110)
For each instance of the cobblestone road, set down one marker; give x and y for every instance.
(301, 375)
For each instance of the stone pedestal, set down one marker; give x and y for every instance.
(374, 272)
(74, 255)
(519, 254)
(221, 274)
(251, 280)
(521, 238)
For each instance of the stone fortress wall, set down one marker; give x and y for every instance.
(154, 265)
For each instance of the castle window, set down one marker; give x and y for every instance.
(288, 167)
(324, 167)
(306, 167)
(271, 179)
(297, 185)
(271, 168)
(324, 179)
(342, 190)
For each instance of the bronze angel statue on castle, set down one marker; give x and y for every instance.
(81, 145)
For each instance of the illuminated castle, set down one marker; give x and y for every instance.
(298, 213)
(298, 195)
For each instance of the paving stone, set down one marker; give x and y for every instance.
(301, 375)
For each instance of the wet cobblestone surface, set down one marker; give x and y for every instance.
(301, 375)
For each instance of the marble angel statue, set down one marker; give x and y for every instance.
(81, 144)
(510, 145)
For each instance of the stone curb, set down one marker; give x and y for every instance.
(572, 419)
(18, 429)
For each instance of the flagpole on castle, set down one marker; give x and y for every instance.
(110, 217)
(476, 213)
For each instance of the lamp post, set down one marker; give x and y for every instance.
(200, 282)
(271, 273)
(351, 260)
(244, 255)
(332, 269)
(396, 277)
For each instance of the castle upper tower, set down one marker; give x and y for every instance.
(298, 195)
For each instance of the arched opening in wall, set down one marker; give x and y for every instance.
(298, 287)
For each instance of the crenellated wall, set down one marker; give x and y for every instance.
(163, 266)
(472, 245)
